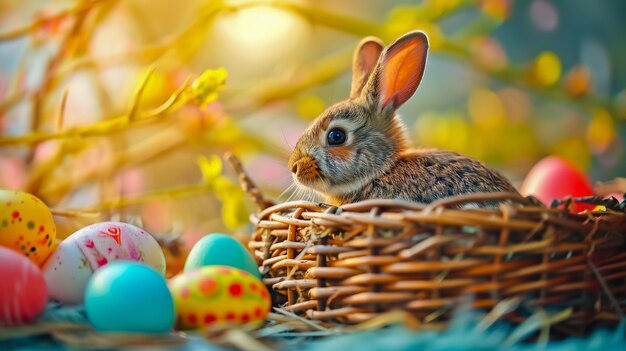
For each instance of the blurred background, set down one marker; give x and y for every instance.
(122, 109)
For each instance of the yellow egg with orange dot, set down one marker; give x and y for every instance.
(26, 225)
(219, 295)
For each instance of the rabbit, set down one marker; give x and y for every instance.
(359, 149)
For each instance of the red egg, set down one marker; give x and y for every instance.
(554, 178)
(23, 289)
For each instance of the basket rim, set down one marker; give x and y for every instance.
(394, 213)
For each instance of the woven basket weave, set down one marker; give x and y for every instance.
(352, 263)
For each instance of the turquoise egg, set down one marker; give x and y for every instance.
(221, 250)
(132, 297)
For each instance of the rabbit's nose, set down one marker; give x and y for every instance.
(293, 161)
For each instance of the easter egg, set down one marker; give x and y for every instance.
(219, 295)
(126, 296)
(69, 268)
(554, 178)
(23, 290)
(221, 250)
(26, 225)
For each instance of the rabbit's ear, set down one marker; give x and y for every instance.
(401, 69)
(363, 63)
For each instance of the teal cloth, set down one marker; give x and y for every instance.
(461, 335)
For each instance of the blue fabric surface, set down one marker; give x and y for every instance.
(463, 334)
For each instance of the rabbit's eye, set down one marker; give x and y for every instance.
(336, 137)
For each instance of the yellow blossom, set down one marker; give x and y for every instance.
(234, 209)
(546, 69)
(204, 89)
(211, 167)
(498, 9)
(600, 131)
(234, 212)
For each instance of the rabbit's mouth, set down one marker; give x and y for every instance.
(306, 171)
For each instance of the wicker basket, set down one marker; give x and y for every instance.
(352, 263)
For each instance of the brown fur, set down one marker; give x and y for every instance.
(427, 175)
(376, 161)
(340, 152)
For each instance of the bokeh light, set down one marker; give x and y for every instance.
(125, 109)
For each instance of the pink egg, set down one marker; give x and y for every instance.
(69, 268)
(554, 178)
(23, 289)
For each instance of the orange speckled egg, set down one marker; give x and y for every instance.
(219, 295)
(26, 225)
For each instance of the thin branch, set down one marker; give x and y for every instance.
(247, 184)
(173, 102)
(74, 214)
(135, 106)
(67, 49)
(28, 29)
(157, 195)
(164, 141)
(61, 115)
(101, 128)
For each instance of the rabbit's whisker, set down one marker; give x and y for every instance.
(289, 146)
(289, 189)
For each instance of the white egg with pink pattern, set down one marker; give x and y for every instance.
(69, 268)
